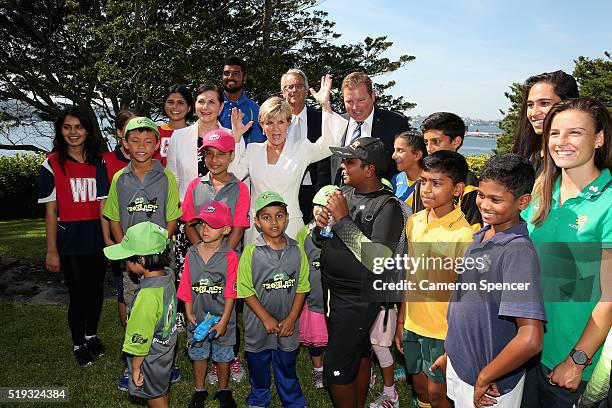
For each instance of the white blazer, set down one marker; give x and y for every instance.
(182, 159)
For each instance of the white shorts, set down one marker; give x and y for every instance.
(462, 393)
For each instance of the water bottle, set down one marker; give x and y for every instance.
(327, 230)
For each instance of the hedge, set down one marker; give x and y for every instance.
(19, 186)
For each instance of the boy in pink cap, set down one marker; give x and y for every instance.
(219, 185)
(208, 285)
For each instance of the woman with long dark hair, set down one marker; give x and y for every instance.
(178, 107)
(67, 187)
(570, 223)
(540, 93)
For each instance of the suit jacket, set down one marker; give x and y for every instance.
(313, 133)
(385, 125)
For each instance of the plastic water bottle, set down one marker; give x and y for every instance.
(327, 230)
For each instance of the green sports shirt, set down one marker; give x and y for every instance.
(569, 245)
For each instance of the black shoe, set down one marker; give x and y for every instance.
(225, 399)
(95, 346)
(82, 355)
(198, 398)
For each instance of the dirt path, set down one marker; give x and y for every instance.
(28, 280)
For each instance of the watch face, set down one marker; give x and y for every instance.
(580, 357)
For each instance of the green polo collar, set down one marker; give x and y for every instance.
(597, 186)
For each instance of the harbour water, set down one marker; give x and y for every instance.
(473, 146)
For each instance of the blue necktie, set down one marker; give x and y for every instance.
(357, 132)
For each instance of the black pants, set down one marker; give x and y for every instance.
(539, 393)
(84, 275)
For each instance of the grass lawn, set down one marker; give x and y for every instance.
(36, 352)
(36, 348)
(23, 239)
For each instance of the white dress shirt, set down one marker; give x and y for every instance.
(366, 128)
(299, 123)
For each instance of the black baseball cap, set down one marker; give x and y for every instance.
(369, 150)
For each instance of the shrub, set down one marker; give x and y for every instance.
(475, 163)
(19, 186)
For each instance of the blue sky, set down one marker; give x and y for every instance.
(469, 51)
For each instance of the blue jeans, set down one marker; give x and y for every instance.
(285, 377)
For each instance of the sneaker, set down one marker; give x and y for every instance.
(180, 322)
(317, 379)
(399, 374)
(197, 399)
(225, 399)
(83, 356)
(124, 381)
(385, 401)
(212, 377)
(236, 370)
(175, 375)
(95, 346)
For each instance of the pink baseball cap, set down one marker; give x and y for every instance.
(215, 213)
(220, 139)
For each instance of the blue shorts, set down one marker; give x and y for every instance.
(201, 351)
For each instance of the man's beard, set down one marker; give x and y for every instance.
(231, 89)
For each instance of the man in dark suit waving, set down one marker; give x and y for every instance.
(306, 123)
(362, 119)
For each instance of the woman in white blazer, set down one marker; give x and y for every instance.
(279, 163)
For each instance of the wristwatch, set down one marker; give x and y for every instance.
(580, 357)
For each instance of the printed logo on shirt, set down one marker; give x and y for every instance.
(209, 286)
(316, 264)
(164, 145)
(581, 220)
(280, 281)
(141, 205)
(169, 317)
(138, 339)
(83, 189)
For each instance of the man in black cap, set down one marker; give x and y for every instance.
(364, 212)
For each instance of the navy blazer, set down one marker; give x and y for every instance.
(385, 125)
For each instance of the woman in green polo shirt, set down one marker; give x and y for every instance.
(570, 222)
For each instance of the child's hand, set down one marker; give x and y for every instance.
(399, 334)
(239, 128)
(286, 327)
(191, 318)
(484, 393)
(321, 216)
(439, 363)
(271, 325)
(52, 262)
(220, 327)
(137, 377)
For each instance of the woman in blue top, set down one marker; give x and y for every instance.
(408, 153)
(570, 222)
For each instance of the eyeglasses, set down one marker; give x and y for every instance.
(296, 87)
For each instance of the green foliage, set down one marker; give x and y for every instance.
(114, 54)
(510, 122)
(18, 186)
(475, 163)
(594, 77)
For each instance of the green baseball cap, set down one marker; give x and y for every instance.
(323, 194)
(266, 198)
(144, 238)
(141, 122)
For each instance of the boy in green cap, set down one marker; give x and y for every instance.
(273, 280)
(150, 335)
(144, 190)
(313, 328)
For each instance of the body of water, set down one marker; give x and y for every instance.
(477, 145)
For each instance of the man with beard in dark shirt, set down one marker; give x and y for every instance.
(365, 213)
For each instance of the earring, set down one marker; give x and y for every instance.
(597, 146)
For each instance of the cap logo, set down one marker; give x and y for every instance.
(265, 196)
(210, 209)
(214, 136)
(355, 144)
